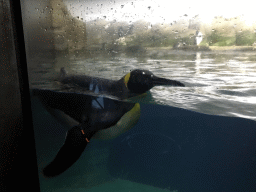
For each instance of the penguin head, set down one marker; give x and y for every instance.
(140, 81)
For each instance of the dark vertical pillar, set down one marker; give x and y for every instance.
(18, 166)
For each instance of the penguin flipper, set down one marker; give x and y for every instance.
(74, 145)
(77, 139)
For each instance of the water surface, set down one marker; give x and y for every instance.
(217, 82)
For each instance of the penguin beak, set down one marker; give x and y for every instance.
(162, 81)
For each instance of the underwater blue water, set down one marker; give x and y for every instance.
(170, 149)
(184, 140)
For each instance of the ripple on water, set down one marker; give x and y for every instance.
(216, 83)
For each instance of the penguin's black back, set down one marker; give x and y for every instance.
(73, 104)
(106, 87)
(78, 105)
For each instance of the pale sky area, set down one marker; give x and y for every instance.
(161, 11)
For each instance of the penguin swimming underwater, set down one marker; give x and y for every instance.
(89, 120)
(94, 116)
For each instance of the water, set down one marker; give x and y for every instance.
(218, 83)
(171, 148)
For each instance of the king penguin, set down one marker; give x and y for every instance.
(87, 113)
(132, 84)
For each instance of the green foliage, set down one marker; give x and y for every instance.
(245, 38)
(225, 41)
(158, 40)
(218, 39)
(188, 40)
(141, 33)
(204, 42)
(151, 40)
(240, 39)
(213, 38)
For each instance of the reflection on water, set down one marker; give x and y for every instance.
(220, 83)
